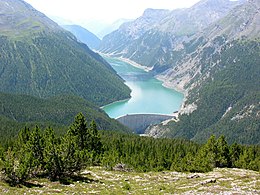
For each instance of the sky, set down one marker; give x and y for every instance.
(106, 11)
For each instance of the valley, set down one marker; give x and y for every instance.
(148, 95)
(213, 61)
(168, 103)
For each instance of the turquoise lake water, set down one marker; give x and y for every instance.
(148, 94)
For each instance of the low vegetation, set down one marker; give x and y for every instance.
(97, 180)
(149, 154)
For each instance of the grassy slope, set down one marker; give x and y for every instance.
(97, 180)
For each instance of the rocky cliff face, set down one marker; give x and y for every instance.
(151, 39)
(241, 23)
(117, 41)
(218, 71)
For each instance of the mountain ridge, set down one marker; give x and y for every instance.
(83, 35)
(14, 22)
(153, 46)
(49, 61)
(207, 68)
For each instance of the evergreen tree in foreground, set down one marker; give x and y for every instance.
(44, 153)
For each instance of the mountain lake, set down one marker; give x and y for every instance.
(148, 95)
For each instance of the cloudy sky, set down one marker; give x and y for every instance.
(106, 11)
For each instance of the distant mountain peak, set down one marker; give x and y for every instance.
(218, 2)
(154, 12)
(160, 30)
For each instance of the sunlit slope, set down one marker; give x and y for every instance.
(41, 59)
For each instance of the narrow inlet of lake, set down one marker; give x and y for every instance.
(148, 94)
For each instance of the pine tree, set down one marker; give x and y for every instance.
(16, 168)
(222, 152)
(20, 162)
(51, 155)
(235, 151)
(76, 145)
(206, 158)
(73, 158)
(23, 137)
(35, 145)
(94, 142)
(80, 131)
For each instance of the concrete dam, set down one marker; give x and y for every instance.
(139, 122)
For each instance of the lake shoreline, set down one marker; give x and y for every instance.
(170, 85)
(118, 101)
(127, 60)
(166, 83)
(145, 68)
(163, 83)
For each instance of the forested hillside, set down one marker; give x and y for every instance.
(210, 51)
(227, 102)
(18, 111)
(219, 72)
(39, 58)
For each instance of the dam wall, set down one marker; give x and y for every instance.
(139, 122)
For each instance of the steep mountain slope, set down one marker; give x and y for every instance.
(19, 19)
(153, 47)
(16, 111)
(117, 41)
(39, 58)
(83, 35)
(112, 27)
(227, 102)
(219, 70)
(195, 59)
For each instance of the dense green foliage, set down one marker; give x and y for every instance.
(39, 58)
(17, 111)
(49, 64)
(149, 154)
(228, 102)
(43, 153)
